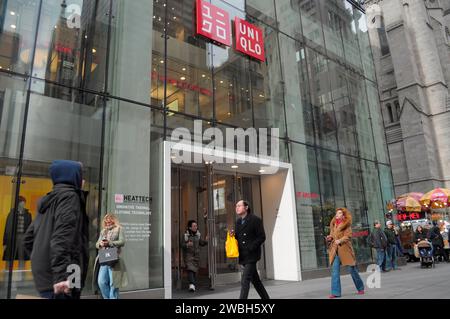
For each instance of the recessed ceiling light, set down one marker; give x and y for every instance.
(183, 78)
(203, 75)
(13, 26)
(234, 166)
(221, 82)
(94, 50)
(162, 61)
(184, 69)
(262, 171)
(12, 13)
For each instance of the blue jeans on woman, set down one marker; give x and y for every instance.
(336, 277)
(105, 282)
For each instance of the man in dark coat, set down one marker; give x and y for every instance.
(250, 236)
(58, 238)
(378, 241)
(23, 222)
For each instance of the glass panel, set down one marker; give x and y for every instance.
(288, 17)
(12, 107)
(225, 196)
(262, 10)
(232, 88)
(134, 175)
(18, 19)
(349, 36)
(189, 85)
(362, 126)
(310, 216)
(333, 16)
(330, 183)
(387, 187)
(60, 129)
(364, 44)
(375, 207)
(355, 199)
(321, 97)
(377, 122)
(267, 85)
(344, 108)
(298, 107)
(71, 45)
(135, 47)
(312, 21)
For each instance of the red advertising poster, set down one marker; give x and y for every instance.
(213, 23)
(249, 39)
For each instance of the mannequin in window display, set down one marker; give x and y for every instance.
(23, 221)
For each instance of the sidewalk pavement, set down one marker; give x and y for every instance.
(411, 282)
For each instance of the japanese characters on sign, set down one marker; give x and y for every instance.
(214, 23)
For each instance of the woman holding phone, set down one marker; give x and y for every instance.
(110, 278)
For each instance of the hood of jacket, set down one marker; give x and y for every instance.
(347, 222)
(66, 172)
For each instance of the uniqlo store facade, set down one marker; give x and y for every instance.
(110, 82)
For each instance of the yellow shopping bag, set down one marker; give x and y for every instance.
(231, 246)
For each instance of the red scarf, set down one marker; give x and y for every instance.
(339, 221)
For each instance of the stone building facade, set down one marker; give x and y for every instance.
(411, 47)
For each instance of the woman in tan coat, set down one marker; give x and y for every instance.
(340, 251)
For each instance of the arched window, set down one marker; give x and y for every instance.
(390, 114)
(397, 110)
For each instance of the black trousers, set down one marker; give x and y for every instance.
(192, 276)
(250, 275)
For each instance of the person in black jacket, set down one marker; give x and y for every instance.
(437, 240)
(23, 222)
(378, 241)
(420, 234)
(250, 236)
(58, 237)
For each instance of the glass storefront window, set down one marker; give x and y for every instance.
(377, 122)
(267, 85)
(333, 16)
(356, 203)
(344, 108)
(71, 45)
(296, 90)
(363, 127)
(13, 96)
(349, 34)
(309, 212)
(18, 21)
(320, 76)
(136, 49)
(189, 83)
(135, 174)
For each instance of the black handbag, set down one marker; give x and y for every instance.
(108, 256)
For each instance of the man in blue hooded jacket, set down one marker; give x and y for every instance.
(58, 238)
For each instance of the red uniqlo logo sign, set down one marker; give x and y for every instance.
(213, 23)
(249, 39)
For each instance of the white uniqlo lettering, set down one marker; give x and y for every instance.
(207, 24)
(221, 31)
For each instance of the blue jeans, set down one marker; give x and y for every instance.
(392, 254)
(381, 258)
(105, 282)
(336, 277)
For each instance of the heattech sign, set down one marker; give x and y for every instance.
(214, 23)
